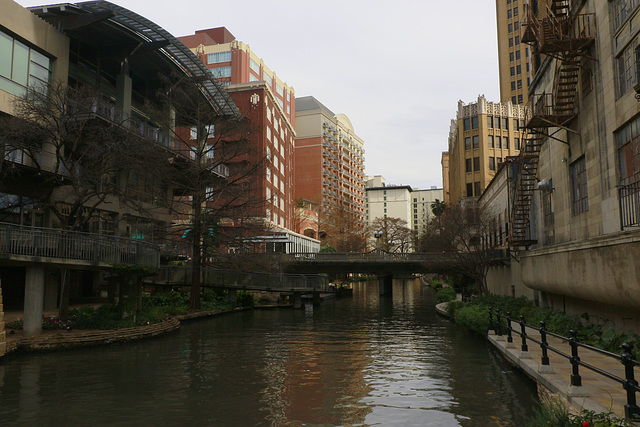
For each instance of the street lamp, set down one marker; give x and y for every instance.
(377, 235)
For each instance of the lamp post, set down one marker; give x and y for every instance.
(377, 235)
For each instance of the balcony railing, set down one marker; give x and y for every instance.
(629, 199)
(48, 245)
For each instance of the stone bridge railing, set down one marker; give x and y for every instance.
(37, 244)
(377, 255)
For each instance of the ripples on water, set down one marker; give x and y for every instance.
(364, 361)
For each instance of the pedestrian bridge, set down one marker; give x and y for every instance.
(374, 262)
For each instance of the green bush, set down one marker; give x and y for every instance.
(474, 317)
(445, 295)
(244, 299)
(556, 414)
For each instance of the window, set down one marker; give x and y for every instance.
(474, 122)
(466, 124)
(469, 190)
(492, 163)
(509, 14)
(489, 121)
(520, 100)
(255, 67)
(515, 11)
(513, 85)
(505, 142)
(498, 142)
(517, 54)
(505, 123)
(491, 141)
(215, 58)
(221, 72)
(476, 189)
(516, 142)
(510, 26)
(467, 165)
(513, 100)
(547, 208)
(511, 42)
(496, 123)
(279, 90)
(518, 69)
(628, 144)
(476, 164)
(511, 56)
(519, 84)
(467, 143)
(625, 70)
(476, 142)
(579, 199)
(498, 160)
(516, 26)
(21, 66)
(512, 71)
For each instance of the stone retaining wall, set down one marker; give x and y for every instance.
(85, 338)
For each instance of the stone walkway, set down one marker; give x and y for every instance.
(597, 393)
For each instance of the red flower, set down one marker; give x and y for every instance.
(585, 424)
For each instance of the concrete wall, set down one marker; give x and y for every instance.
(3, 336)
(507, 280)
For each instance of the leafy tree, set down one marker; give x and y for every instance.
(438, 207)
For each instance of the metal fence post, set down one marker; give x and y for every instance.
(509, 336)
(544, 360)
(499, 323)
(524, 335)
(631, 409)
(576, 379)
(491, 319)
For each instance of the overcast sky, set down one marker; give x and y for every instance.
(396, 68)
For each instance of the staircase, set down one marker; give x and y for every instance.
(566, 86)
(527, 179)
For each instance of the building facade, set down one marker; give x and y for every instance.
(232, 62)
(514, 56)
(578, 186)
(400, 201)
(481, 136)
(329, 160)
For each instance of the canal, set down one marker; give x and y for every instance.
(366, 360)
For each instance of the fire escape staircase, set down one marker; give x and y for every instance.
(568, 39)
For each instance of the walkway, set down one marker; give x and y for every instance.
(597, 392)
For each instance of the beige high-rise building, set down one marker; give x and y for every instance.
(482, 135)
(513, 55)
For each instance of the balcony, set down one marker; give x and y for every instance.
(36, 244)
(629, 203)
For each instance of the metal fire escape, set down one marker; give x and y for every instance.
(568, 38)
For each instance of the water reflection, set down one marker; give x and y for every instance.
(369, 360)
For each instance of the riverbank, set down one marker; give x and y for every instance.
(597, 393)
(51, 340)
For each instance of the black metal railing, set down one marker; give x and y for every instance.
(629, 383)
(49, 245)
(629, 200)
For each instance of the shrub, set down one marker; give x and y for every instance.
(445, 295)
(473, 317)
(244, 299)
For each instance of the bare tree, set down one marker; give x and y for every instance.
(341, 228)
(73, 155)
(396, 236)
(217, 203)
(461, 231)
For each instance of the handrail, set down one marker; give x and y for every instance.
(48, 244)
(629, 204)
(217, 277)
(629, 383)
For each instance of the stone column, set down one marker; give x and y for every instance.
(33, 301)
(385, 284)
(316, 298)
(124, 89)
(297, 300)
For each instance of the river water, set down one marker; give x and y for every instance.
(366, 360)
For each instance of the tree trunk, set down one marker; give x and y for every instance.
(196, 265)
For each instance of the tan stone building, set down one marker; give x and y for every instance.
(482, 135)
(514, 57)
(575, 214)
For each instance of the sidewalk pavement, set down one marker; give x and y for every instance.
(597, 393)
